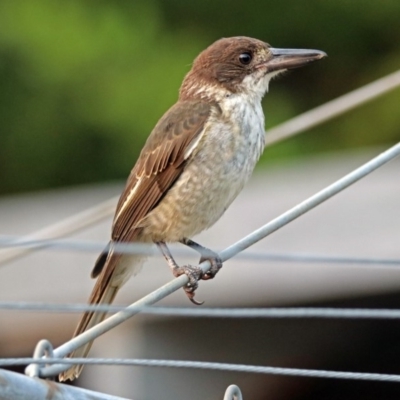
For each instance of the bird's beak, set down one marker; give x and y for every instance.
(291, 58)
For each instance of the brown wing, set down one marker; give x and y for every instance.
(160, 163)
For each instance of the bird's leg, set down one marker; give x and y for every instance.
(205, 255)
(193, 273)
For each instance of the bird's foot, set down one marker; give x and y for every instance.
(216, 264)
(206, 255)
(194, 273)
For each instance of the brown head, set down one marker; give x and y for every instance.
(241, 64)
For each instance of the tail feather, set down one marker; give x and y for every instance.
(112, 271)
(101, 262)
(104, 292)
(89, 319)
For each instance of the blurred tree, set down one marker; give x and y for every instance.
(81, 88)
(82, 83)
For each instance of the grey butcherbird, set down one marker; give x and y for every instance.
(193, 165)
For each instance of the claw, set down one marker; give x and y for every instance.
(216, 265)
(206, 255)
(194, 274)
(193, 300)
(189, 289)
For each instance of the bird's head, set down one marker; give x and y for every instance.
(240, 65)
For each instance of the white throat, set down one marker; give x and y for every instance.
(258, 85)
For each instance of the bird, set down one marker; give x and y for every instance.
(193, 165)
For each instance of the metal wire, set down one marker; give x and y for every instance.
(233, 393)
(64, 227)
(312, 202)
(283, 131)
(15, 386)
(96, 214)
(54, 370)
(333, 108)
(147, 249)
(274, 312)
(81, 245)
(231, 251)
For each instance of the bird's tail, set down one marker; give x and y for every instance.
(112, 271)
(89, 319)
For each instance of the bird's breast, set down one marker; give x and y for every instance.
(216, 173)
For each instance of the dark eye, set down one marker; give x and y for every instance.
(245, 58)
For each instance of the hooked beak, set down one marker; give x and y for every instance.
(292, 58)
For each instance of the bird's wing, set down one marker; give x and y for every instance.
(160, 163)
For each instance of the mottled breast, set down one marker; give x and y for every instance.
(221, 165)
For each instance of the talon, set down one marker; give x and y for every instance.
(207, 276)
(193, 274)
(193, 300)
(216, 265)
(197, 303)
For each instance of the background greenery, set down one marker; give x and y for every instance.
(82, 83)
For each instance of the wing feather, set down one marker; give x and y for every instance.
(160, 164)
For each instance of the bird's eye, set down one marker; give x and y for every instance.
(245, 58)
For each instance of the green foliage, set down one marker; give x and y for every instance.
(80, 89)
(82, 83)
